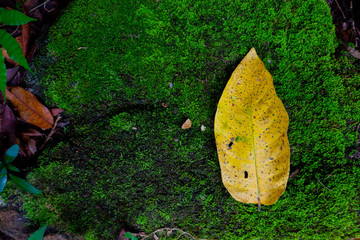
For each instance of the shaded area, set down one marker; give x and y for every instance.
(346, 18)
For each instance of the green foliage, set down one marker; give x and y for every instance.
(3, 75)
(11, 154)
(130, 236)
(39, 234)
(123, 121)
(3, 178)
(24, 185)
(125, 162)
(11, 17)
(6, 166)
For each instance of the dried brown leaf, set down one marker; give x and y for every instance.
(32, 145)
(8, 124)
(11, 73)
(7, 57)
(23, 151)
(29, 108)
(56, 111)
(31, 132)
(25, 36)
(187, 124)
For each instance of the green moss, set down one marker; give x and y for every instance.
(123, 121)
(129, 75)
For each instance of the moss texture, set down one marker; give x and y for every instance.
(127, 164)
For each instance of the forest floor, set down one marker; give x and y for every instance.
(346, 18)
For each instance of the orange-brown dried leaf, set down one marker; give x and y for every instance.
(56, 111)
(187, 124)
(31, 143)
(22, 150)
(24, 40)
(8, 124)
(6, 56)
(29, 108)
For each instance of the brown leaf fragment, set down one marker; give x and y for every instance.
(31, 52)
(292, 176)
(29, 108)
(2, 107)
(23, 149)
(56, 111)
(187, 124)
(32, 146)
(11, 73)
(7, 57)
(8, 125)
(15, 76)
(25, 36)
(31, 133)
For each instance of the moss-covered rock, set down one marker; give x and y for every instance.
(129, 74)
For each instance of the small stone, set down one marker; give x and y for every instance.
(55, 237)
(13, 225)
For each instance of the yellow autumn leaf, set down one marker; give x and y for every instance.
(251, 135)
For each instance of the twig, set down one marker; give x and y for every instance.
(51, 133)
(292, 176)
(357, 30)
(183, 233)
(43, 4)
(340, 9)
(17, 27)
(323, 185)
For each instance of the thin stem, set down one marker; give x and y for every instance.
(323, 185)
(43, 4)
(340, 9)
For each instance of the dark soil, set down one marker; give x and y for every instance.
(346, 18)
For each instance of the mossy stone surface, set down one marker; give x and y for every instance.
(129, 74)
